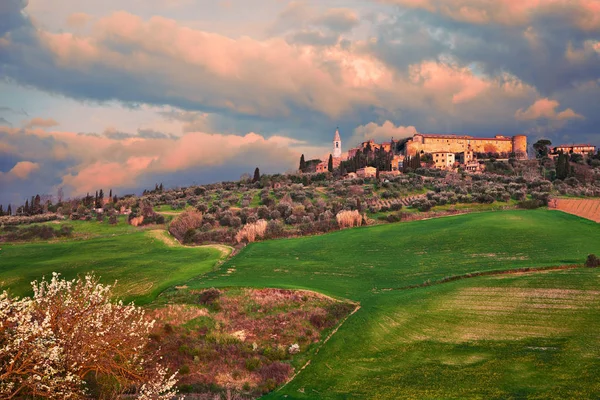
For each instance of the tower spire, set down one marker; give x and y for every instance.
(337, 144)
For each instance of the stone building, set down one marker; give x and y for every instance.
(583, 149)
(367, 172)
(426, 143)
(443, 160)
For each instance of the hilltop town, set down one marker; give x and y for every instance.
(440, 151)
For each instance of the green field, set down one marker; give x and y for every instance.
(526, 335)
(507, 336)
(141, 262)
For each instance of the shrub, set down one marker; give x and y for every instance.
(276, 371)
(529, 204)
(294, 349)
(252, 364)
(592, 261)
(347, 219)
(251, 232)
(185, 369)
(209, 296)
(37, 336)
(190, 219)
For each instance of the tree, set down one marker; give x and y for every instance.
(302, 163)
(115, 198)
(9, 210)
(26, 208)
(562, 166)
(542, 148)
(330, 163)
(110, 194)
(1, 211)
(60, 194)
(256, 175)
(70, 334)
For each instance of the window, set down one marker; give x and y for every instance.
(337, 145)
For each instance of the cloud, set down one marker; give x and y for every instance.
(41, 122)
(584, 14)
(546, 108)
(21, 170)
(5, 122)
(193, 121)
(78, 20)
(83, 162)
(381, 133)
(338, 19)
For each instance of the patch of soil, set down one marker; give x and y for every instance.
(241, 341)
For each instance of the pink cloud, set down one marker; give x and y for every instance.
(546, 108)
(21, 170)
(104, 161)
(78, 20)
(41, 122)
(383, 132)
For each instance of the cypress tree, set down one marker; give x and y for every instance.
(110, 194)
(9, 211)
(26, 208)
(1, 211)
(330, 163)
(256, 175)
(115, 199)
(302, 163)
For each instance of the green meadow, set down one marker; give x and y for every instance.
(520, 335)
(140, 260)
(530, 335)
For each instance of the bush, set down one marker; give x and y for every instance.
(347, 219)
(251, 232)
(592, 261)
(209, 296)
(191, 219)
(252, 364)
(37, 336)
(529, 204)
(276, 371)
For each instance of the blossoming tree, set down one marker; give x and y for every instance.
(70, 341)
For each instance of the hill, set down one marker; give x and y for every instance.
(491, 337)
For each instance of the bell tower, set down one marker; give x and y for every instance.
(337, 144)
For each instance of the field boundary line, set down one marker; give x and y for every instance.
(321, 346)
(453, 278)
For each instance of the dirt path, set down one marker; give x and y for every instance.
(170, 241)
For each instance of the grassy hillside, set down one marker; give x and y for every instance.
(528, 335)
(490, 337)
(141, 261)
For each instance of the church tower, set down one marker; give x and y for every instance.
(337, 144)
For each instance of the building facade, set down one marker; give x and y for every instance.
(443, 160)
(583, 149)
(426, 143)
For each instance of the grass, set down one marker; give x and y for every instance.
(526, 335)
(93, 228)
(143, 264)
(507, 336)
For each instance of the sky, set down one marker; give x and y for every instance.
(121, 95)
